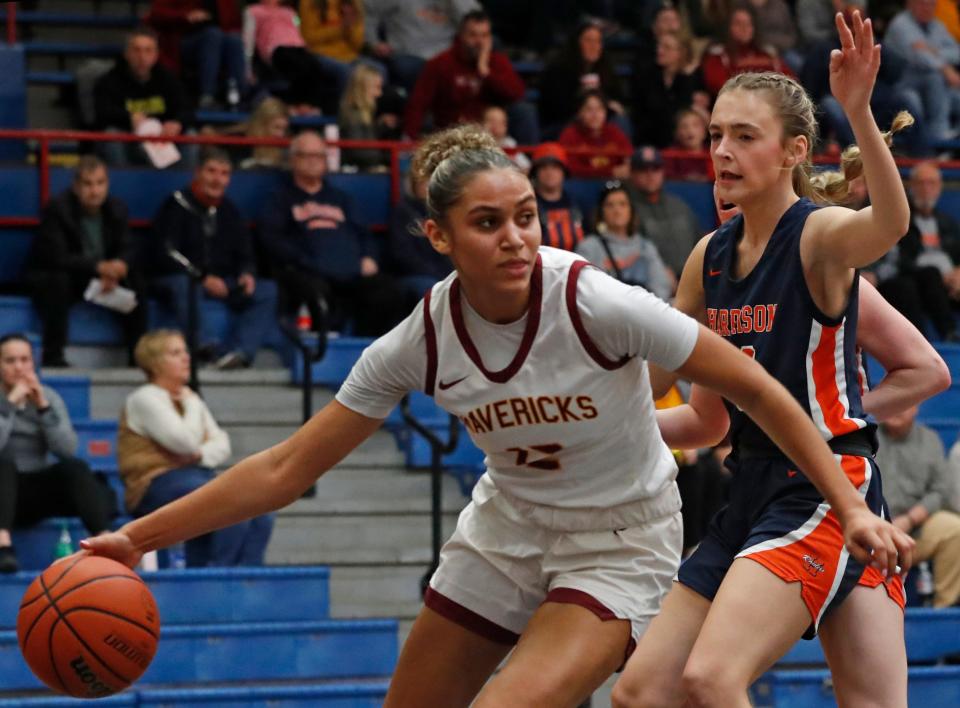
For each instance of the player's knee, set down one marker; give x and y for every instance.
(642, 694)
(707, 685)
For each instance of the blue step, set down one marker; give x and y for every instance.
(339, 695)
(51, 78)
(930, 687)
(945, 404)
(76, 19)
(97, 443)
(342, 353)
(217, 595)
(84, 49)
(228, 117)
(946, 428)
(250, 652)
(15, 244)
(929, 634)
(75, 392)
(35, 544)
(951, 355)
(127, 698)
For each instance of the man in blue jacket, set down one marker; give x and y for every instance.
(321, 252)
(204, 226)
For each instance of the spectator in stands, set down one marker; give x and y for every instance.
(741, 52)
(205, 226)
(457, 84)
(664, 218)
(666, 89)
(949, 14)
(689, 160)
(776, 28)
(203, 35)
(580, 65)
(35, 428)
(271, 33)
(169, 444)
(919, 275)
(404, 34)
(417, 265)
(815, 18)
(931, 74)
(596, 147)
(888, 97)
(83, 236)
(333, 31)
(496, 122)
(619, 249)
(321, 251)
(135, 90)
(269, 120)
(561, 218)
(918, 493)
(361, 119)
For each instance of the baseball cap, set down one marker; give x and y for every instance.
(646, 156)
(550, 153)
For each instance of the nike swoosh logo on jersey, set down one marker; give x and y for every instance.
(791, 473)
(715, 272)
(444, 385)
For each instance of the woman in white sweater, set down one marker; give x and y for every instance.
(169, 444)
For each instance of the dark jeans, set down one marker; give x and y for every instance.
(213, 52)
(311, 81)
(54, 292)
(376, 303)
(254, 314)
(919, 293)
(65, 488)
(241, 544)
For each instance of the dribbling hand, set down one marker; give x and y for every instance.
(877, 543)
(854, 67)
(116, 545)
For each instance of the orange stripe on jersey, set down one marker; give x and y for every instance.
(824, 363)
(856, 470)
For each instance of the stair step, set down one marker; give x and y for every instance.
(347, 489)
(376, 590)
(249, 652)
(216, 595)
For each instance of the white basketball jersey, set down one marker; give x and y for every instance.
(561, 424)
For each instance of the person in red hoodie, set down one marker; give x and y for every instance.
(604, 140)
(741, 52)
(203, 34)
(457, 85)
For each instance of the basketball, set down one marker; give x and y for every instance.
(88, 626)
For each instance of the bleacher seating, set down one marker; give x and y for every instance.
(226, 639)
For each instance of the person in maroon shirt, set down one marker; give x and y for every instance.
(591, 131)
(460, 82)
(741, 52)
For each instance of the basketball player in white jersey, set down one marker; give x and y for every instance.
(573, 535)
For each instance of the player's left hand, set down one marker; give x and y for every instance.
(877, 543)
(854, 67)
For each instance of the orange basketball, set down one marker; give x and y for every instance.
(88, 626)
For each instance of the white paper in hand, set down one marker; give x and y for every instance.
(120, 298)
(160, 154)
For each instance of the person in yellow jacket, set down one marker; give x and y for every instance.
(333, 32)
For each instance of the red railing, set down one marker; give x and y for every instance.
(11, 23)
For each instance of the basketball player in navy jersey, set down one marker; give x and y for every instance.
(573, 535)
(779, 281)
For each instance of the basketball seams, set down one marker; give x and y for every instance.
(56, 669)
(51, 601)
(67, 568)
(94, 654)
(110, 613)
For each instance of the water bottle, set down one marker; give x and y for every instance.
(64, 545)
(233, 93)
(331, 133)
(304, 321)
(176, 557)
(925, 584)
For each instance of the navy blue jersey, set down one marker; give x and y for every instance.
(771, 316)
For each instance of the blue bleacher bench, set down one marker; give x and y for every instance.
(35, 544)
(264, 651)
(75, 392)
(91, 49)
(216, 595)
(339, 695)
(76, 19)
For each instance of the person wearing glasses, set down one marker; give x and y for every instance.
(321, 251)
(573, 535)
(619, 249)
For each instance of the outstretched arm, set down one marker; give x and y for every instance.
(915, 371)
(259, 484)
(720, 366)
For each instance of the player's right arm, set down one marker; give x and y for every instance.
(257, 485)
(691, 301)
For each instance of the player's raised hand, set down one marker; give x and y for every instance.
(854, 67)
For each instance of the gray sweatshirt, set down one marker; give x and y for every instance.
(422, 28)
(29, 437)
(915, 471)
(637, 257)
